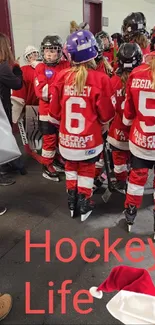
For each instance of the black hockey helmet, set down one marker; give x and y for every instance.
(100, 48)
(118, 37)
(52, 42)
(102, 35)
(129, 56)
(133, 24)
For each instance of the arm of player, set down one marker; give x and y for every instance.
(106, 102)
(40, 83)
(129, 109)
(54, 114)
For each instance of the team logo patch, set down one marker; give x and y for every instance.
(90, 152)
(49, 73)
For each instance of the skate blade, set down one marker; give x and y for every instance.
(59, 170)
(84, 217)
(72, 213)
(54, 179)
(129, 228)
(106, 196)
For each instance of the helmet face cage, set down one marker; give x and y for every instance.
(53, 43)
(103, 35)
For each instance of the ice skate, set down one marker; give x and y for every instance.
(72, 202)
(86, 207)
(59, 164)
(130, 215)
(120, 186)
(98, 183)
(50, 173)
(2, 210)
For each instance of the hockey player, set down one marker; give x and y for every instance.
(129, 57)
(152, 38)
(134, 30)
(118, 37)
(139, 113)
(102, 64)
(82, 101)
(26, 97)
(45, 73)
(107, 45)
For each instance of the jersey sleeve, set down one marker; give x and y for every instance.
(40, 83)
(55, 107)
(129, 108)
(106, 102)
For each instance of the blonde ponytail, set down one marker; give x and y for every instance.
(108, 67)
(141, 40)
(78, 75)
(124, 79)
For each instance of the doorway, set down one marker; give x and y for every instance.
(92, 12)
(5, 21)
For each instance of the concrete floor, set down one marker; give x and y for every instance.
(38, 205)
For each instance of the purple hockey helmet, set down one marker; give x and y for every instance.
(82, 46)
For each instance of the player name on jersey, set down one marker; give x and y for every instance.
(147, 142)
(72, 141)
(72, 91)
(141, 83)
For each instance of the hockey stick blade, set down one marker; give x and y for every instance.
(27, 148)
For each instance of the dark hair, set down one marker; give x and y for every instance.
(5, 50)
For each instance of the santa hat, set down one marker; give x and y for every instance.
(135, 301)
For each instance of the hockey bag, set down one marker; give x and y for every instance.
(9, 150)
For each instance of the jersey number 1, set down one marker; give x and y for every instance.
(75, 116)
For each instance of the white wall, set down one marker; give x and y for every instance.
(32, 20)
(117, 10)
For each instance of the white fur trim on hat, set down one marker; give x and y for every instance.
(96, 294)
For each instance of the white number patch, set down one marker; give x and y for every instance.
(75, 116)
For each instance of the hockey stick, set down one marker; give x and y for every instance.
(27, 148)
(107, 194)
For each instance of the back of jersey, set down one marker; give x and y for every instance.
(140, 107)
(82, 116)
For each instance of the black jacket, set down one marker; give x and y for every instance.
(9, 79)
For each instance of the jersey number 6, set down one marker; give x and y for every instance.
(75, 116)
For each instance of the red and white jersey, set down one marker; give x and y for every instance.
(118, 135)
(139, 113)
(44, 77)
(81, 117)
(26, 94)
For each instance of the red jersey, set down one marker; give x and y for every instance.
(26, 95)
(146, 51)
(109, 55)
(139, 113)
(81, 117)
(118, 135)
(44, 78)
(101, 67)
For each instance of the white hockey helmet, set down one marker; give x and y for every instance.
(29, 50)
